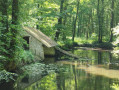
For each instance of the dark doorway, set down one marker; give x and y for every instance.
(26, 45)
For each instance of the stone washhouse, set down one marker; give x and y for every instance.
(38, 43)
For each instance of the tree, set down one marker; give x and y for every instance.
(14, 30)
(112, 20)
(100, 13)
(74, 22)
(59, 21)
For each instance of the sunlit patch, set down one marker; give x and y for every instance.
(94, 69)
(116, 33)
(69, 63)
(115, 86)
(100, 71)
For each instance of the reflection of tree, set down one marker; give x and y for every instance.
(46, 83)
(109, 83)
(58, 82)
(98, 82)
(110, 57)
(73, 79)
(99, 57)
(75, 76)
(61, 79)
(103, 83)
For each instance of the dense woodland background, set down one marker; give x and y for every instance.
(66, 21)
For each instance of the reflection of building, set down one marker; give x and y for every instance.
(38, 43)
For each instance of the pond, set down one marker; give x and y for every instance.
(96, 70)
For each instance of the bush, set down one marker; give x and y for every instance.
(106, 45)
(26, 57)
(68, 44)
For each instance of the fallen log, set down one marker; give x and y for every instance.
(66, 53)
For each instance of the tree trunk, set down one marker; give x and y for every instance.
(100, 15)
(64, 23)
(112, 20)
(74, 24)
(37, 25)
(39, 19)
(99, 57)
(14, 29)
(92, 24)
(59, 21)
(102, 20)
(78, 32)
(79, 25)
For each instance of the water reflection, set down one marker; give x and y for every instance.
(74, 79)
(96, 70)
(46, 83)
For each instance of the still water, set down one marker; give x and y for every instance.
(96, 70)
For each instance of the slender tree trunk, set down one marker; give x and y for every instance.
(79, 24)
(59, 21)
(74, 24)
(75, 77)
(92, 24)
(99, 57)
(100, 14)
(59, 84)
(87, 34)
(78, 32)
(102, 20)
(39, 19)
(37, 26)
(64, 23)
(112, 20)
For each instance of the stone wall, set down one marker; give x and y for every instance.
(36, 47)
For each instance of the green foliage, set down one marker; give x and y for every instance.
(43, 69)
(44, 15)
(26, 57)
(46, 83)
(67, 44)
(115, 86)
(84, 40)
(104, 45)
(7, 76)
(35, 68)
(94, 36)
